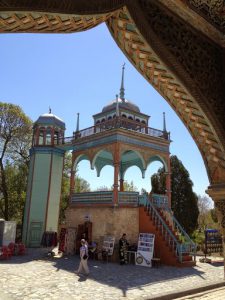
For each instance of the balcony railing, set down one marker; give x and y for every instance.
(112, 124)
(105, 197)
(160, 201)
(101, 197)
(126, 198)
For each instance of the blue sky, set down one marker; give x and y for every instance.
(81, 73)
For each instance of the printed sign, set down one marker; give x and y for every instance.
(144, 254)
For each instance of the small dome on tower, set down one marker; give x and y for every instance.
(50, 119)
(123, 104)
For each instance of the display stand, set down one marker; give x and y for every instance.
(145, 250)
(108, 247)
(213, 242)
(108, 244)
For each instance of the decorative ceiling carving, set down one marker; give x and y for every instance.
(145, 59)
(212, 10)
(185, 66)
(48, 23)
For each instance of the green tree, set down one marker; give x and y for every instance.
(184, 202)
(15, 139)
(158, 181)
(65, 191)
(214, 216)
(129, 186)
(205, 219)
(16, 175)
(81, 185)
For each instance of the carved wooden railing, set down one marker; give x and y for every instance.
(99, 197)
(112, 124)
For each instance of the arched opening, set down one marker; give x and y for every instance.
(48, 139)
(131, 158)
(56, 137)
(102, 159)
(41, 136)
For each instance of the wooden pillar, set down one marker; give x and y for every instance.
(168, 183)
(116, 174)
(121, 185)
(72, 182)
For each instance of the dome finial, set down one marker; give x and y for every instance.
(164, 122)
(78, 121)
(49, 110)
(122, 85)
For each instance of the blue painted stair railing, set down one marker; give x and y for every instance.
(172, 231)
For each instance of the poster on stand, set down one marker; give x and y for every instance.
(108, 244)
(145, 249)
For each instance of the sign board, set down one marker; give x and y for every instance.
(213, 241)
(108, 244)
(9, 234)
(144, 254)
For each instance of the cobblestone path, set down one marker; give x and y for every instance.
(34, 276)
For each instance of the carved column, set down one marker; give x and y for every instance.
(72, 182)
(121, 185)
(168, 183)
(116, 174)
(217, 193)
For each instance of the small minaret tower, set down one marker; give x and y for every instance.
(44, 179)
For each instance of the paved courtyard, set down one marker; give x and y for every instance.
(35, 276)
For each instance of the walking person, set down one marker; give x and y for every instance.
(83, 266)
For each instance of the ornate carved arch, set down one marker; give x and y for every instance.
(185, 64)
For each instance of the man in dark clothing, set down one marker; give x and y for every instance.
(123, 244)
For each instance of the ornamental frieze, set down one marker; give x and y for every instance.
(212, 10)
(199, 57)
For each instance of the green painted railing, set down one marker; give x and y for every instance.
(99, 197)
(105, 197)
(128, 198)
(160, 201)
(187, 246)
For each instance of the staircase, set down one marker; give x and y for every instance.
(172, 244)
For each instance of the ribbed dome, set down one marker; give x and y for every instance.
(50, 119)
(122, 104)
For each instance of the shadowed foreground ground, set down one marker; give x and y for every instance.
(35, 276)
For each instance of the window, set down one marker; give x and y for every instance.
(48, 137)
(41, 137)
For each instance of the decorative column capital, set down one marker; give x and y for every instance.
(217, 193)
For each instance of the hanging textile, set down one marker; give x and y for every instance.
(70, 240)
(62, 239)
(49, 239)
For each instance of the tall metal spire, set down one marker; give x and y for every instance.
(122, 85)
(164, 122)
(78, 120)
